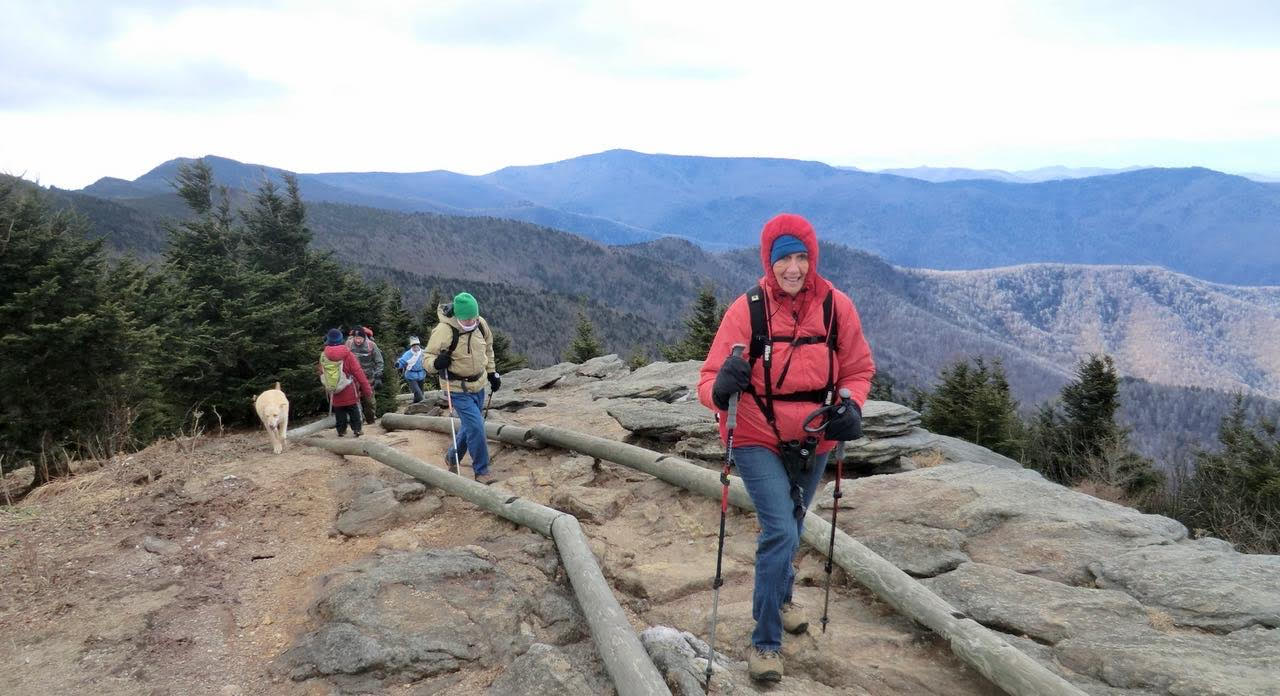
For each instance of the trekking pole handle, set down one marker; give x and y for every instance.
(732, 421)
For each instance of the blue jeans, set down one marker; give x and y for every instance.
(770, 490)
(468, 405)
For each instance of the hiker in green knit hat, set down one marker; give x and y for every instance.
(460, 351)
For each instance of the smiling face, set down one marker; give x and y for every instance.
(790, 272)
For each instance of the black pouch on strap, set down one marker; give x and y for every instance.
(797, 460)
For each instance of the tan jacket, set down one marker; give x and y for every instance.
(472, 358)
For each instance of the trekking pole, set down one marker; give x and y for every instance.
(835, 508)
(448, 398)
(730, 423)
(488, 400)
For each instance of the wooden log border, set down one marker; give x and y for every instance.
(625, 659)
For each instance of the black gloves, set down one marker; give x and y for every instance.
(734, 377)
(442, 361)
(495, 382)
(845, 423)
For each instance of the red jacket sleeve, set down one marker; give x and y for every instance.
(856, 364)
(352, 366)
(735, 328)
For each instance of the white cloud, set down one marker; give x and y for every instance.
(473, 86)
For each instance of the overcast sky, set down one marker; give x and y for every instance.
(91, 89)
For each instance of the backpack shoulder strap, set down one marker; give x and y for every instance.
(828, 314)
(453, 344)
(759, 323)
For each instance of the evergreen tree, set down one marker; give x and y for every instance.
(700, 329)
(70, 343)
(397, 322)
(585, 346)
(427, 318)
(639, 358)
(504, 357)
(974, 403)
(237, 325)
(1082, 440)
(1234, 493)
(882, 385)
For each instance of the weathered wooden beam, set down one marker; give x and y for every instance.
(625, 658)
(311, 428)
(1004, 665)
(507, 433)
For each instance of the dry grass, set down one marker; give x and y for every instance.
(1103, 491)
(928, 459)
(1160, 621)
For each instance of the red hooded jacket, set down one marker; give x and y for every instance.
(349, 396)
(789, 316)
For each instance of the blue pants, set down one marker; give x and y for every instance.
(766, 481)
(469, 407)
(415, 386)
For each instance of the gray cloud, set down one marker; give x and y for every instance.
(60, 53)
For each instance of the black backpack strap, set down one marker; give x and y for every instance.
(453, 344)
(759, 323)
(833, 338)
(761, 348)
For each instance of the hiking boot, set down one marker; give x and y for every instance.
(794, 619)
(764, 665)
(485, 478)
(451, 464)
(357, 434)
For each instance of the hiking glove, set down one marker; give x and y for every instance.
(734, 376)
(495, 382)
(845, 425)
(442, 361)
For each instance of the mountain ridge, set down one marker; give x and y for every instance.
(1194, 220)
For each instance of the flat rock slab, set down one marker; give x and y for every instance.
(660, 380)
(659, 420)
(402, 617)
(567, 374)
(1044, 610)
(378, 510)
(933, 518)
(1244, 663)
(882, 419)
(1203, 583)
(501, 401)
(543, 669)
(590, 504)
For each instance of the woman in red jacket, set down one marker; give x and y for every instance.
(810, 348)
(346, 399)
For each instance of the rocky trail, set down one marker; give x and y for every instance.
(211, 566)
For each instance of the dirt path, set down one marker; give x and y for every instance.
(85, 608)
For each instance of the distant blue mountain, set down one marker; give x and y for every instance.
(1024, 176)
(1196, 221)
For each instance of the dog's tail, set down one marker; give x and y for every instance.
(277, 385)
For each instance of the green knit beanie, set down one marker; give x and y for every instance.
(465, 307)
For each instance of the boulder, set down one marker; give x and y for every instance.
(532, 380)
(657, 420)
(660, 380)
(433, 402)
(881, 419)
